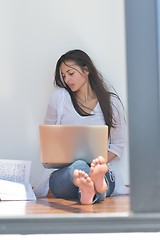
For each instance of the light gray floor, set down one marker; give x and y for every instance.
(113, 236)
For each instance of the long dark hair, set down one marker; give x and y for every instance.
(96, 81)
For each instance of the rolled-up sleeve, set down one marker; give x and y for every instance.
(117, 139)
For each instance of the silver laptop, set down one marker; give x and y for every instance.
(60, 145)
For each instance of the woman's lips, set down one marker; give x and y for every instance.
(71, 85)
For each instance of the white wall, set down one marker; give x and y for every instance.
(34, 33)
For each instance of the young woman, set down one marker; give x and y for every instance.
(81, 97)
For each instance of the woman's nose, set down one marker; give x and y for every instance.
(67, 79)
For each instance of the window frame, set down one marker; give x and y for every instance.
(144, 141)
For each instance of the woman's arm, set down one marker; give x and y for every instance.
(111, 156)
(54, 107)
(117, 139)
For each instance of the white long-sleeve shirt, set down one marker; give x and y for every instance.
(61, 111)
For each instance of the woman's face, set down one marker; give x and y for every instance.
(74, 76)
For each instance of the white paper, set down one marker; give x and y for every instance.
(15, 191)
(14, 180)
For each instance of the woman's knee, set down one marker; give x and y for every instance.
(80, 165)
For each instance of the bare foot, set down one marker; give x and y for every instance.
(86, 186)
(97, 171)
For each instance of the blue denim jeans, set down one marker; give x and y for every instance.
(62, 186)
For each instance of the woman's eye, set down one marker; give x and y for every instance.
(71, 73)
